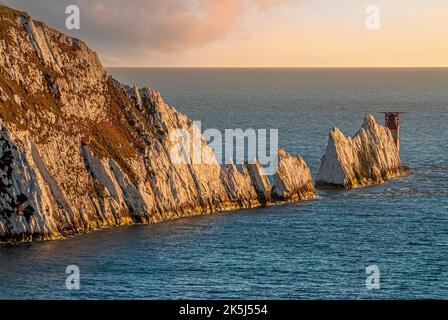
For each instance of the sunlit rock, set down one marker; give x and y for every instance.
(370, 157)
(293, 179)
(79, 150)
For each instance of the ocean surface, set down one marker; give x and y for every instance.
(313, 250)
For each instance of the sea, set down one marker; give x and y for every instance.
(320, 249)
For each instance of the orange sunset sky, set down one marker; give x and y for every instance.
(256, 33)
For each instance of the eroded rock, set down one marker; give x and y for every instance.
(79, 150)
(293, 180)
(370, 157)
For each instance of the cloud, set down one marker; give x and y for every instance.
(164, 26)
(161, 26)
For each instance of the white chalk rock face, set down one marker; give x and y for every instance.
(370, 157)
(293, 179)
(80, 151)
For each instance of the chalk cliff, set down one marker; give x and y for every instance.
(293, 179)
(79, 150)
(370, 157)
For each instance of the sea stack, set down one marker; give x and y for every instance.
(370, 157)
(80, 151)
(293, 179)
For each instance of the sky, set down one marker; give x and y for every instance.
(255, 33)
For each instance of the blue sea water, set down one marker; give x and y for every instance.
(313, 250)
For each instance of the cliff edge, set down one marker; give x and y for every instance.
(370, 157)
(80, 151)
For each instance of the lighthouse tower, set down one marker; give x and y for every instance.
(392, 121)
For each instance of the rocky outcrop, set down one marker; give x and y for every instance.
(79, 150)
(370, 157)
(293, 179)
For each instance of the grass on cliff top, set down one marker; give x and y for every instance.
(117, 138)
(7, 18)
(11, 13)
(11, 112)
(114, 138)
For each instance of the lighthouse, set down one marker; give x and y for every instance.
(392, 121)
